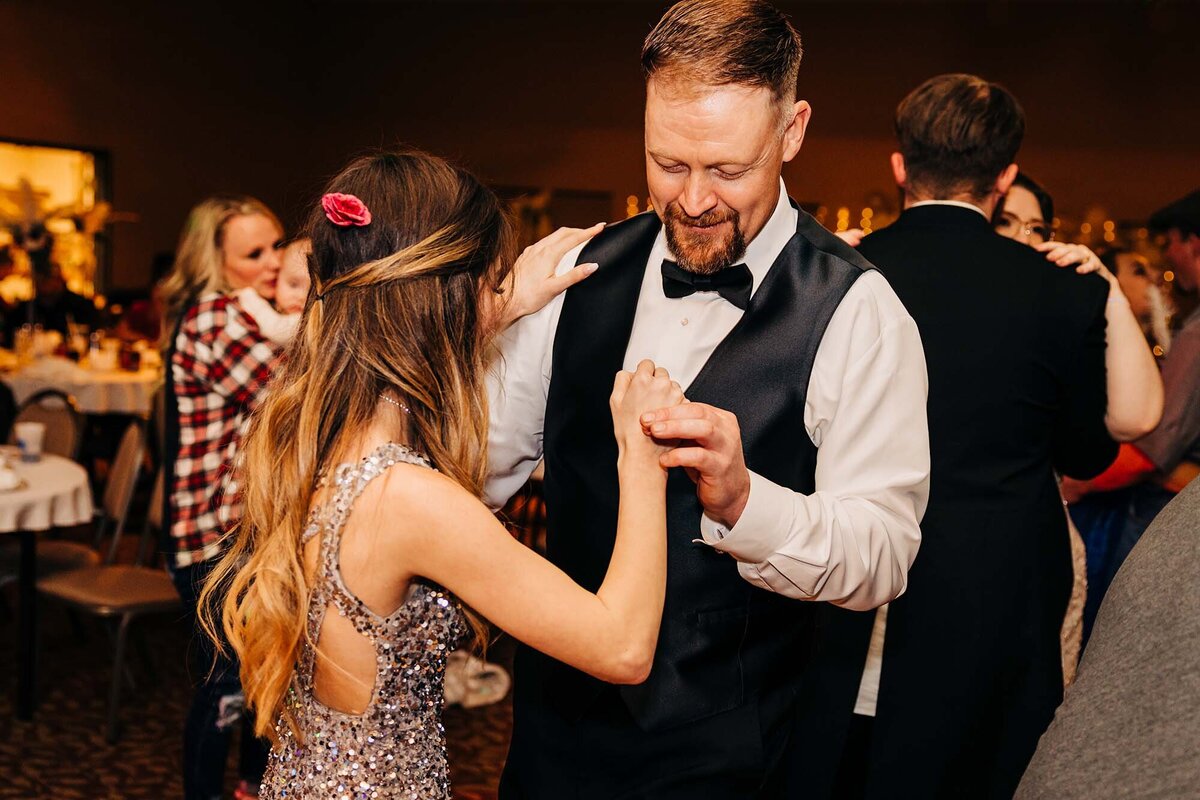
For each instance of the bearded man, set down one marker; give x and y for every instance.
(802, 465)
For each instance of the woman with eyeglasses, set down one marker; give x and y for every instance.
(1135, 395)
(1135, 391)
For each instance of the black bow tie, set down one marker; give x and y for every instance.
(733, 283)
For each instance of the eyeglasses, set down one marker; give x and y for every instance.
(1012, 226)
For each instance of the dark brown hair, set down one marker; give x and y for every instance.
(1044, 200)
(957, 133)
(722, 42)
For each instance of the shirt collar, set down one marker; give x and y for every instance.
(958, 203)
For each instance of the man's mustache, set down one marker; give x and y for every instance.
(709, 218)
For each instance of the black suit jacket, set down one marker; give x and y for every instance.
(971, 668)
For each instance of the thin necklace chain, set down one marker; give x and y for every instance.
(394, 402)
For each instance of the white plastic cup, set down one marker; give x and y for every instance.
(29, 439)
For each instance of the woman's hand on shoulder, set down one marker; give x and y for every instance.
(635, 393)
(1081, 257)
(534, 282)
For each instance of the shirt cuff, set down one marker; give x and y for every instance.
(756, 536)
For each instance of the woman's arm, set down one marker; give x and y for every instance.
(451, 538)
(1135, 390)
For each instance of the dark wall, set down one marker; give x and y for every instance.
(192, 98)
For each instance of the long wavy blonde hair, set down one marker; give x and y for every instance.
(199, 258)
(395, 306)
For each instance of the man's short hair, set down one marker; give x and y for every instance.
(1183, 215)
(723, 42)
(957, 133)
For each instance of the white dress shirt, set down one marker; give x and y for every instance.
(851, 541)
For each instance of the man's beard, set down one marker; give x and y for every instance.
(703, 254)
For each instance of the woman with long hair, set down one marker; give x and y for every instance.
(217, 362)
(363, 543)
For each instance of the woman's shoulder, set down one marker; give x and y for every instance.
(415, 480)
(429, 500)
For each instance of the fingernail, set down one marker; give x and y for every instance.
(590, 268)
(658, 427)
(648, 417)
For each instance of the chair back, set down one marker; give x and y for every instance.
(122, 480)
(154, 518)
(157, 432)
(59, 413)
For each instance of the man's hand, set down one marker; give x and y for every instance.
(710, 451)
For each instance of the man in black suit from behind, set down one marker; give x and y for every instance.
(962, 673)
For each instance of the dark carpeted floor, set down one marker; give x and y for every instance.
(62, 754)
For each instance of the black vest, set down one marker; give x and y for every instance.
(722, 641)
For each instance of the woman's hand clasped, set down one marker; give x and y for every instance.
(635, 393)
(534, 284)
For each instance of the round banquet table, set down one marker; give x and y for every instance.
(95, 391)
(54, 492)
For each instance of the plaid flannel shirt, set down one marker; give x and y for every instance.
(220, 366)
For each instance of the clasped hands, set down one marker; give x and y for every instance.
(702, 439)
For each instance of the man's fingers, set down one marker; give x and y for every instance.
(686, 410)
(691, 458)
(698, 430)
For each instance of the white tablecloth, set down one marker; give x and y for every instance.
(56, 494)
(96, 392)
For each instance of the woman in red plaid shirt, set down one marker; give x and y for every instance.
(218, 362)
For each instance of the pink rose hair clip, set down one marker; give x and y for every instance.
(345, 210)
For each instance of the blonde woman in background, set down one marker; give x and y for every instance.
(217, 362)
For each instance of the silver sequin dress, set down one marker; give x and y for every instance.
(397, 747)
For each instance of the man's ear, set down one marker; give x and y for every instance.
(1005, 181)
(793, 134)
(898, 170)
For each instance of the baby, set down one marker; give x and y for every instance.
(279, 323)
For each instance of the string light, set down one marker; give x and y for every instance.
(843, 218)
(865, 222)
(631, 205)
